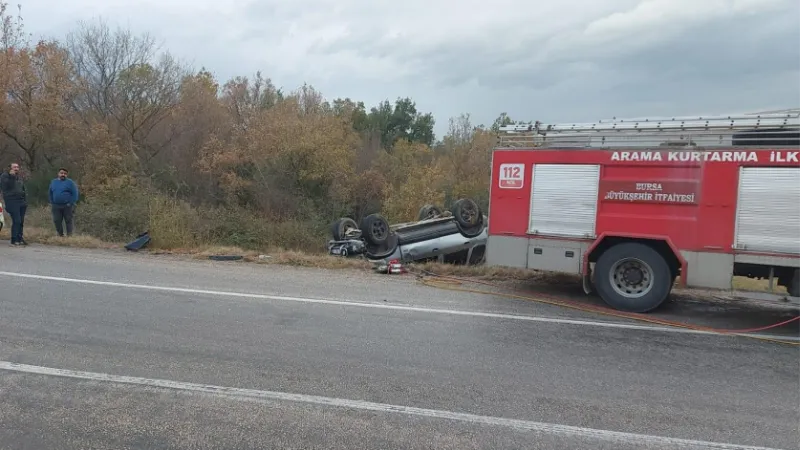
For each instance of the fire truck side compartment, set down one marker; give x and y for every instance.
(767, 224)
(563, 200)
(768, 211)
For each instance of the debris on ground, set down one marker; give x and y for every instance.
(345, 248)
(392, 267)
(225, 257)
(139, 243)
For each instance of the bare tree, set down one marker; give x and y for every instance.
(12, 34)
(100, 55)
(245, 98)
(126, 82)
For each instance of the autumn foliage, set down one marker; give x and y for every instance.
(157, 145)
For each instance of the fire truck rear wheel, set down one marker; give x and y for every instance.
(633, 277)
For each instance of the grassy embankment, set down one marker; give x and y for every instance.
(173, 233)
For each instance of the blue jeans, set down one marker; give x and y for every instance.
(16, 209)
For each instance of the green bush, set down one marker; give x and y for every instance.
(174, 223)
(114, 218)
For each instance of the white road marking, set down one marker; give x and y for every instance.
(455, 312)
(259, 395)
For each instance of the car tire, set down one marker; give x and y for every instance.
(471, 232)
(429, 212)
(375, 229)
(382, 251)
(467, 213)
(633, 277)
(340, 227)
(469, 218)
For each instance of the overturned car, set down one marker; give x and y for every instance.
(456, 236)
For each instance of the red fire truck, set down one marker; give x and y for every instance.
(634, 206)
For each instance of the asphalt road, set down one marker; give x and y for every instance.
(113, 350)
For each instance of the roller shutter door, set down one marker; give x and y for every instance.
(564, 200)
(768, 210)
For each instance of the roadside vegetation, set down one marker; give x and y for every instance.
(157, 145)
(212, 166)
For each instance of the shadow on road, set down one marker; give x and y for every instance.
(704, 309)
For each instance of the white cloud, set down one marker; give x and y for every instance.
(570, 60)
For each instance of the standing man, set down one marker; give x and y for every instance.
(63, 196)
(16, 202)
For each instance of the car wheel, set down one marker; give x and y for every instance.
(469, 218)
(340, 228)
(633, 277)
(375, 229)
(467, 213)
(429, 212)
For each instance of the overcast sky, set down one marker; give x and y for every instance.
(548, 60)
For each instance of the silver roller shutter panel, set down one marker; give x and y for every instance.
(768, 210)
(564, 200)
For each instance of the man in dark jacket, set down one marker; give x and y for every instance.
(63, 196)
(15, 201)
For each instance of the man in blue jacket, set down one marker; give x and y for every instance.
(63, 196)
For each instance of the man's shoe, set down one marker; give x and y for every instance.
(22, 242)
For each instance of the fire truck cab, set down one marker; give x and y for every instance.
(636, 205)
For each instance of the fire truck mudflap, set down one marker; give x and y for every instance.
(635, 205)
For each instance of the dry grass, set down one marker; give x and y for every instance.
(277, 256)
(476, 272)
(752, 284)
(318, 261)
(45, 236)
(204, 251)
(40, 235)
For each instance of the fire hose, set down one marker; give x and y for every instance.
(456, 284)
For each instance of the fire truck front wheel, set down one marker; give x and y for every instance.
(633, 277)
